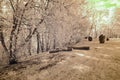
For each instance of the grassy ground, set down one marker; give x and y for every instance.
(101, 62)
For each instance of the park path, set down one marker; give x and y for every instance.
(101, 62)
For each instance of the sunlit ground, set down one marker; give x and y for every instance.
(101, 62)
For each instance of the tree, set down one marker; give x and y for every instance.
(19, 21)
(37, 26)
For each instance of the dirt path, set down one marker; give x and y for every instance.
(101, 62)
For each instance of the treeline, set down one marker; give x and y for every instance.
(30, 27)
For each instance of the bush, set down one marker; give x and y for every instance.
(12, 61)
(107, 39)
(86, 37)
(102, 38)
(90, 38)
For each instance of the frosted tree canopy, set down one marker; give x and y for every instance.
(105, 4)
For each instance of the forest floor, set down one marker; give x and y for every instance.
(101, 62)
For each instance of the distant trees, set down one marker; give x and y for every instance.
(101, 19)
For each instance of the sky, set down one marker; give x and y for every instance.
(105, 4)
(109, 6)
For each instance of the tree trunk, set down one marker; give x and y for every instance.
(42, 44)
(29, 47)
(38, 43)
(29, 43)
(11, 57)
(3, 41)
